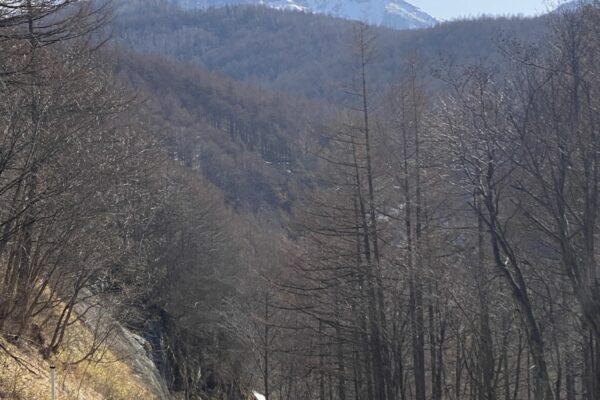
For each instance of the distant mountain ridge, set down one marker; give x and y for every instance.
(573, 5)
(397, 14)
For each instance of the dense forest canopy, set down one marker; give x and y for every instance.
(245, 140)
(302, 54)
(299, 205)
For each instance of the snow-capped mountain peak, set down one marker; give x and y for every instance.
(392, 13)
(397, 14)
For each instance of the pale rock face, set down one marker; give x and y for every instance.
(397, 14)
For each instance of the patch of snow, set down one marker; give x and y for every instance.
(290, 5)
(259, 396)
(411, 13)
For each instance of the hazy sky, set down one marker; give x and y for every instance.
(450, 9)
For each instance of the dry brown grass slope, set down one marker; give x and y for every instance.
(108, 375)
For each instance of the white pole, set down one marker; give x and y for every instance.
(52, 379)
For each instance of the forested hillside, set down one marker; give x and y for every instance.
(202, 204)
(104, 230)
(247, 141)
(309, 55)
(397, 14)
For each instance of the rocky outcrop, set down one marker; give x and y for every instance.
(139, 354)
